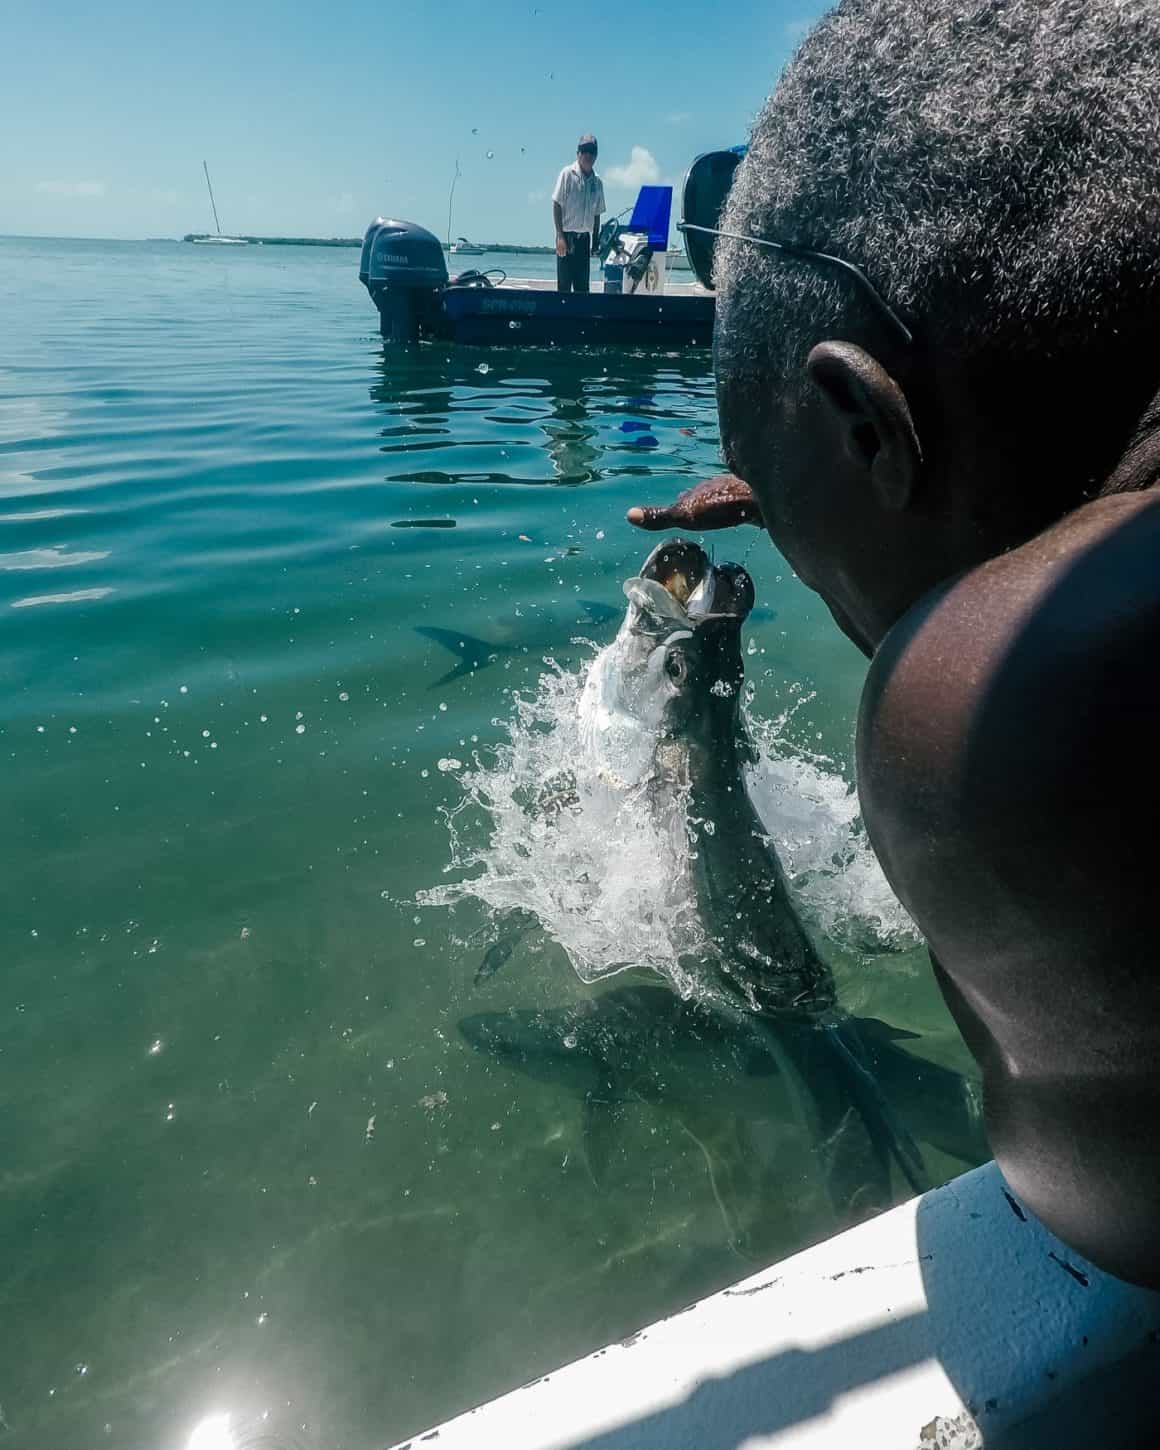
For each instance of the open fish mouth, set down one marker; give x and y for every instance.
(703, 590)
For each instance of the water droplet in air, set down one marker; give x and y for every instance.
(300, 729)
(343, 696)
(155, 1047)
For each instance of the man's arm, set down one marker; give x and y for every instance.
(558, 218)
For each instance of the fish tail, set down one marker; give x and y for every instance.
(888, 1134)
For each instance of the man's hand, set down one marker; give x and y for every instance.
(561, 246)
(718, 503)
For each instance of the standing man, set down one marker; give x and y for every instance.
(577, 201)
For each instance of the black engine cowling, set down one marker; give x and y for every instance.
(404, 270)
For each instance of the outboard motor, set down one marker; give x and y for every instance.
(404, 270)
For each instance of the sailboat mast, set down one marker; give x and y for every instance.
(212, 203)
(450, 199)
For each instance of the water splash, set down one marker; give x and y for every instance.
(550, 825)
(558, 820)
(812, 812)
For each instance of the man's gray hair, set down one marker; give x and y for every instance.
(992, 165)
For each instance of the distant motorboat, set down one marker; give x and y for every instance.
(467, 249)
(404, 269)
(218, 240)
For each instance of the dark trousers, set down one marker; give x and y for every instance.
(572, 270)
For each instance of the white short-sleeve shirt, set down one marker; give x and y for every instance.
(581, 198)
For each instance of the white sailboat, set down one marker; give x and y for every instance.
(219, 240)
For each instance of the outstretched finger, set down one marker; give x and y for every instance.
(654, 518)
(721, 502)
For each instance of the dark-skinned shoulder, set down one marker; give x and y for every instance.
(1014, 710)
(1008, 773)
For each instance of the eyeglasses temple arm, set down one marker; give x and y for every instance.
(805, 252)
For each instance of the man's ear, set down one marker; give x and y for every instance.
(870, 413)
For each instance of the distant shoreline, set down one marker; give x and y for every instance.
(676, 255)
(357, 242)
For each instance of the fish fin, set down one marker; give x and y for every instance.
(945, 1106)
(875, 1031)
(887, 1132)
(472, 653)
(460, 672)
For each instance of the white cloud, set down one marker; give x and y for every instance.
(71, 188)
(796, 30)
(678, 118)
(641, 169)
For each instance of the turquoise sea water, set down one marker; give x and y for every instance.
(248, 1166)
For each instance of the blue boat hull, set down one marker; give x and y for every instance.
(491, 315)
(527, 316)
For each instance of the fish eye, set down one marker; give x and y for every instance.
(676, 666)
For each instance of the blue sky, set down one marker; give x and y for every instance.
(315, 118)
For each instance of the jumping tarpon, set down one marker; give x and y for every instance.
(665, 700)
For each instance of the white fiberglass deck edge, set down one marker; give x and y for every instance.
(954, 1321)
